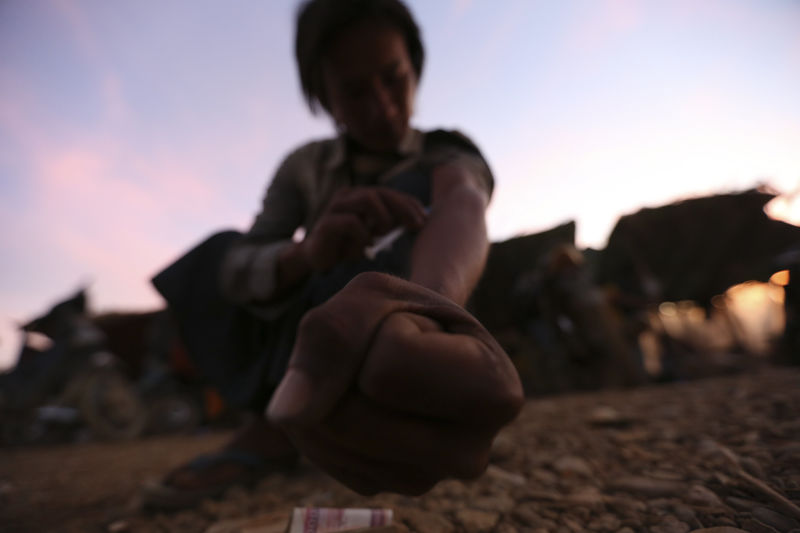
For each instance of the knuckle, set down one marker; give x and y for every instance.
(380, 372)
(326, 327)
(501, 407)
(511, 399)
(502, 392)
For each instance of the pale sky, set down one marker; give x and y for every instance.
(131, 130)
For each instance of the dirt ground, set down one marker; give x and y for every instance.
(666, 459)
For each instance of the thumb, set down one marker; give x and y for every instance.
(332, 342)
(295, 400)
(323, 365)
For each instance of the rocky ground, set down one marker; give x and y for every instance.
(721, 452)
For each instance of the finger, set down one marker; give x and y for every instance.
(368, 204)
(406, 209)
(461, 374)
(352, 235)
(383, 208)
(332, 341)
(335, 237)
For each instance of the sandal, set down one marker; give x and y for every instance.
(164, 496)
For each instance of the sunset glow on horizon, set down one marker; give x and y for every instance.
(130, 131)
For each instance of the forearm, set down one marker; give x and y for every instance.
(255, 273)
(450, 252)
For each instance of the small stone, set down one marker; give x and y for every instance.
(606, 416)
(605, 522)
(119, 526)
(670, 524)
(587, 496)
(661, 504)
(545, 477)
(741, 504)
(700, 495)
(272, 521)
(707, 446)
(635, 523)
(775, 519)
(505, 527)
(572, 524)
(726, 521)
(719, 529)
(6, 488)
(503, 448)
(530, 493)
(475, 521)
(626, 505)
(453, 488)
(442, 505)
(570, 464)
(751, 437)
(500, 503)
(526, 515)
(504, 476)
(648, 486)
(752, 467)
(423, 521)
(684, 513)
(756, 526)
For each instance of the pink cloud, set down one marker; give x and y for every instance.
(605, 23)
(115, 104)
(16, 110)
(497, 39)
(459, 7)
(109, 215)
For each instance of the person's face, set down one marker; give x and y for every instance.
(370, 85)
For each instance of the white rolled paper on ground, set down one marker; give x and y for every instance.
(331, 520)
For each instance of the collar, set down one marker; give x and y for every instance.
(410, 145)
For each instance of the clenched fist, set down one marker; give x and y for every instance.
(392, 387)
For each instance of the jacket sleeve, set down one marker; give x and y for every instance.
(249, 271)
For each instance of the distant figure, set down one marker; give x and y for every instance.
(579, 336)
(790, 342)
(357, 344)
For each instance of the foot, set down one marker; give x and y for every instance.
(257, 450)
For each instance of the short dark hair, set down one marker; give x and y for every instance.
(319, 22)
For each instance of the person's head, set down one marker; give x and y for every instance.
(361, 60)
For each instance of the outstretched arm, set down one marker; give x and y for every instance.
(450, 252)
(392, 386)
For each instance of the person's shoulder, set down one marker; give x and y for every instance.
(312, 150)
(442, 145)
(304, 160)
(448, 138)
